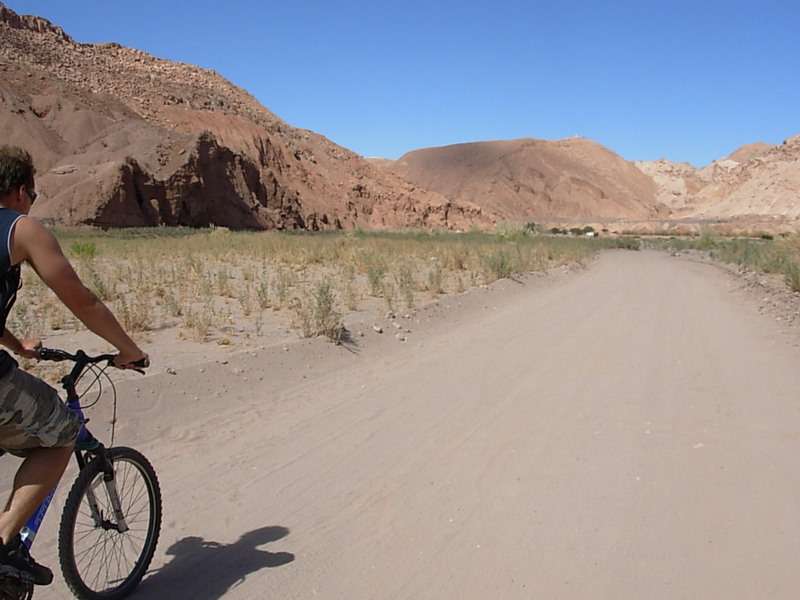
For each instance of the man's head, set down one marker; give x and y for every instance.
(16, 173)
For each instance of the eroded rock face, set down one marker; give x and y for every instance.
(122, 139)
(756, 188)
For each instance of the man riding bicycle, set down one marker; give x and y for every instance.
(34, 423)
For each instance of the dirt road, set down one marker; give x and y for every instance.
(628, 432)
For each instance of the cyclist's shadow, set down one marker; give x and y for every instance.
(203, 569)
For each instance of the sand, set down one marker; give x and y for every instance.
(627, 430)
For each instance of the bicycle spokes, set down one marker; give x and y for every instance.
(110, 526)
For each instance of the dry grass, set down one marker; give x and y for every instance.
(764, 254)
(207, 281)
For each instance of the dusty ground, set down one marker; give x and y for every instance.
(628, 430)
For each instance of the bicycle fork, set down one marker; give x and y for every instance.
(110, 484)
(86, 441)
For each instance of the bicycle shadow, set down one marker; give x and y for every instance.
(206, 569)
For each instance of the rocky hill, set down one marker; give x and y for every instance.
(756, 188)
(122, 138)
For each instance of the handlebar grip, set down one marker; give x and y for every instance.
(52, 354)
(139, 366)
(142, 363)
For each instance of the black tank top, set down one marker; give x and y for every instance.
(10, 280)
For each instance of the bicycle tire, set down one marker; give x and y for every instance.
(99, 562)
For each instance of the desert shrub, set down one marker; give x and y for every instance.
(262, 294)
(198, 320)
(135, 314)
(406, 283)
(284, 281)
(792, 275)
(436, 279)
(316, 312)
(497, 264)
(84, 250)
(375, 268)
(100, 283)
(513, 231)
(348, 286)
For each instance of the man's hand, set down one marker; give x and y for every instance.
(28, 348)
(139, 360)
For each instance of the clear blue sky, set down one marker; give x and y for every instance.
(684, 80)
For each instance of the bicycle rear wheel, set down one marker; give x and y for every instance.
(98, 560)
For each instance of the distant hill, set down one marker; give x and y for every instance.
(755, 189)
(573, 178)
(757, 186)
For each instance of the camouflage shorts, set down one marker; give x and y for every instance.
(32, 415)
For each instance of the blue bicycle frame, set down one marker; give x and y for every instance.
(85, 441)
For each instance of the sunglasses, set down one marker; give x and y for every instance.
(31, 194)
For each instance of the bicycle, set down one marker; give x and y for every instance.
(112, 515)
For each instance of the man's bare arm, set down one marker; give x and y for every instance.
(33, 243)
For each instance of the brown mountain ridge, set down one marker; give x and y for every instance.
(122, 138)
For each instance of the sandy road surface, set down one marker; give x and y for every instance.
(630, 431)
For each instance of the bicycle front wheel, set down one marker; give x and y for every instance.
(101, 557)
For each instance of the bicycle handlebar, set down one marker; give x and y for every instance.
(56, 355)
